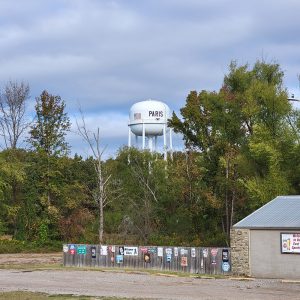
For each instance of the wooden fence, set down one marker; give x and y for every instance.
(204, 260)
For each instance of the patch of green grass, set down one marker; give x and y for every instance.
(16, 246)
(41, 296)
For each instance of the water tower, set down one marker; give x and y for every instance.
(148, 119)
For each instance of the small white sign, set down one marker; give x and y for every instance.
(133, 251)
(176, 251)
(160, 251)
(290, 242)
(193, 252)
(103, 250)
(183, 252)
(205, 252)
(65, 248)
(169, 251)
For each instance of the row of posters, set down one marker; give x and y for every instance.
(148, 254)
(134, 251)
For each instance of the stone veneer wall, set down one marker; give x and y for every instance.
(239, 240)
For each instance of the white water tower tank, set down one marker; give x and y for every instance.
(149, 119)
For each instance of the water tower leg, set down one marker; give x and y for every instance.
(171, 144)
(136, 141)
(150, 143)
(144, 137)
(165, 143)
(129, 137)
(155, 143)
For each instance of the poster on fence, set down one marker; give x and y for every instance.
(81, 249)
(169, 251)
(144, 249)
(225, 255)
(112, 249)
(119, 259)
(147, 257)
(160, 251)
(72, 249)
(133, 251)
(184, 252)
(93, 251)
(65, 248)
(103, 250)
(169, 258)
(193, 252)
(175, 251)
(205, 252)
(152, 249)
(184, 262)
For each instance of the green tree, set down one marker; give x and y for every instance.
(226, 127)
(48, 132)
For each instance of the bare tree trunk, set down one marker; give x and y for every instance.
(12, 112)
(93, 141)
(101, 222)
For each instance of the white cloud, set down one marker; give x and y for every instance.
(108, 54)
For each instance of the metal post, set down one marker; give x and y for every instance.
(155, 143)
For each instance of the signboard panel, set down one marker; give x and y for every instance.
(131, 251)
(290, 243)
(160, 252)
(81, 249)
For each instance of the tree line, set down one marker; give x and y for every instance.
(241, 150)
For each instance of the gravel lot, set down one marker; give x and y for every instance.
(142, 285)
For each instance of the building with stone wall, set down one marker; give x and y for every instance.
(267, 242)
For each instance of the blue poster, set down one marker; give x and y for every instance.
(225, 266)
(119, 259)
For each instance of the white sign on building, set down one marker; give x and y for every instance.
(290, 243)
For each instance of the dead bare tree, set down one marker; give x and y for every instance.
(100, 194)
(12, 112)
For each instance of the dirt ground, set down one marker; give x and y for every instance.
(30, 259)
(132, 284)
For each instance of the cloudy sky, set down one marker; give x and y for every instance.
(105, 55)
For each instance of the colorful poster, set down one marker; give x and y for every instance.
(214, 251)
(144, 249)
(160, 251)
(169, 258)
(147, 257)
(119, 259)
(225, 255)
(290, 243)
(103, 250)
(225, 266)
(81, 249)
(112, 249)
(93, 251)
(184, 262)
(72, 249)
(193, 252)
(133, 251)
(152, 249)
(175, 251)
